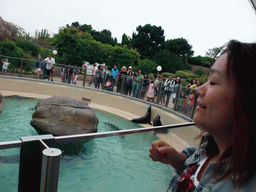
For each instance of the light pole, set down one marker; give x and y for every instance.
(54, 53)
(159, 68)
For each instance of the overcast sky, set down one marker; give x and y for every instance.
(204, 23)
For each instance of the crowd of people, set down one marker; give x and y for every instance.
(45, 68)
(133, 83)
(169, 93)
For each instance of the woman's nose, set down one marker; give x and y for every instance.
(201, 90)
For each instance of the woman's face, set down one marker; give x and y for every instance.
(215, 111)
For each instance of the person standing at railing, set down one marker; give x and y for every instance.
(76, 71)
(164, 88)
(156, 83)
(63, 74)
(5, 65)
(114, 73)
(69, 71)
(192, 82)
(134, 82)
(177, 89)
(38, 66)
(190, 101)
(129, 70)
(137, 82)
(128, 83)
(50, 62)
(150, 92)
(226, 158)
(145, 85)
(170, 89)
(181, 102)
(122, 75)
(92, 80)
(98, 77)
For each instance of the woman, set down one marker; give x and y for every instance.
(226, 158)
(98, 77)
(177, 89)
(122, 74)
(192, 82)
(128, 84)
(145, 85)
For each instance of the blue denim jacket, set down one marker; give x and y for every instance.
(206, 184)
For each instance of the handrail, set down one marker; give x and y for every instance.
(10, 144)
(83, 137)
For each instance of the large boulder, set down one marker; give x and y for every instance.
(7, 30)
(64, 116)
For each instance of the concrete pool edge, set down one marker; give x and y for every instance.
(130, 108)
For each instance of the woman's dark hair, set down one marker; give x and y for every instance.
(241, 155)
(191, 82)
(178, 79)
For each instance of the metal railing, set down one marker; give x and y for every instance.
(40, 161)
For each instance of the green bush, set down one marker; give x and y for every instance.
(147, 65)
(184, 74)
(28, 47)
(199, 72)
(201, 61)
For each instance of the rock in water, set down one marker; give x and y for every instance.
(64, 116)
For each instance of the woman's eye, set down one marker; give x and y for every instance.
(212, 83)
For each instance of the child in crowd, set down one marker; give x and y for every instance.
(63, 74)
(150, 93)
(190, 100)
(5, 65)
(181, 103)
(108, 85)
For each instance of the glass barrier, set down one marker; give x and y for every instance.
(9, 169)
(119, 163)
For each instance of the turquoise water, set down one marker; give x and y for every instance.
(104, 164)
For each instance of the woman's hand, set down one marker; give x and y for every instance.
(164, 153)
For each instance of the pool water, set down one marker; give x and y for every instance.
(118, 163)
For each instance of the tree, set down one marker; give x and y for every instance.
(44, 34)
(75, 24)
(28, 47)
(214, 53)
(148, 66)
(85, 28)
(103, 36)
(179, 46)
(8, 48)
(126, 41)
(170, 62)
(121, 56)
(68, 44)
(201, 61)
(148, 40)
